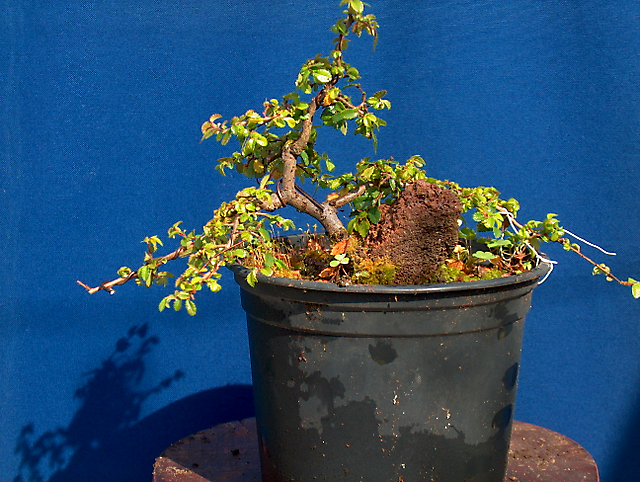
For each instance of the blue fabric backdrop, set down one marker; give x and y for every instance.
(101, 103)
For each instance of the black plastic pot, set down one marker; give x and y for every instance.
(385, 383)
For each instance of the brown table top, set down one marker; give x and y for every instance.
(229, 452)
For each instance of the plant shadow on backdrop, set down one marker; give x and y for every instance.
(106, 441)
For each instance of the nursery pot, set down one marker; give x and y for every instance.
(385, 383)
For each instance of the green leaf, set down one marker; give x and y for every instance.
(175, 230)
(261, 140)
(367, 174)
(467, 233)
(340, 27)
(190, 306)
(500, 242)
(213, 285)
(163, 278)
(353, 73)
(269, 261)
(374, 215)
(290, 122)
(264, 234)
(252, 279)
(249, 146)
(322, 76)
(339, 259)
(484, 255)
(144, 273)
(264, 181)
(635, 290)
(362, 227)
(345, 115)
(478, 216)
(154, 240)
(330, 165)
(356, 6)
(600, 269)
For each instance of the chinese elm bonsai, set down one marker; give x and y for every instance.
(404, 227)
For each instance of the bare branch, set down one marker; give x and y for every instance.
(108, 285)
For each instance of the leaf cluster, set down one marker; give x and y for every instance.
(276, 149)
(261, 137)
(239, 232)
(378, 182)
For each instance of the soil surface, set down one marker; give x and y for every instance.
(417, 232)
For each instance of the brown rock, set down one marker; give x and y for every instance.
(417, 232)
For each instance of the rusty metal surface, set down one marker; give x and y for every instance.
(229, 453)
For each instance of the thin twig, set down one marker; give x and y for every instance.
(565, 242)
(108, 285)
(606, 271)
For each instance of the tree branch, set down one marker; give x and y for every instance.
(291, 194)
(108, 285)
(605, 270)
(348, 197)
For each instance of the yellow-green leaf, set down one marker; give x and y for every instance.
(190, 306)
(322, 76)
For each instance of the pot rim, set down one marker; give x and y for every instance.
(533, 275)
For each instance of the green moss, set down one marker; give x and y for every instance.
(448, 274)
(379, 271)
(492, 274)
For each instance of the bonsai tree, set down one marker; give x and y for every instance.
(403, 227)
